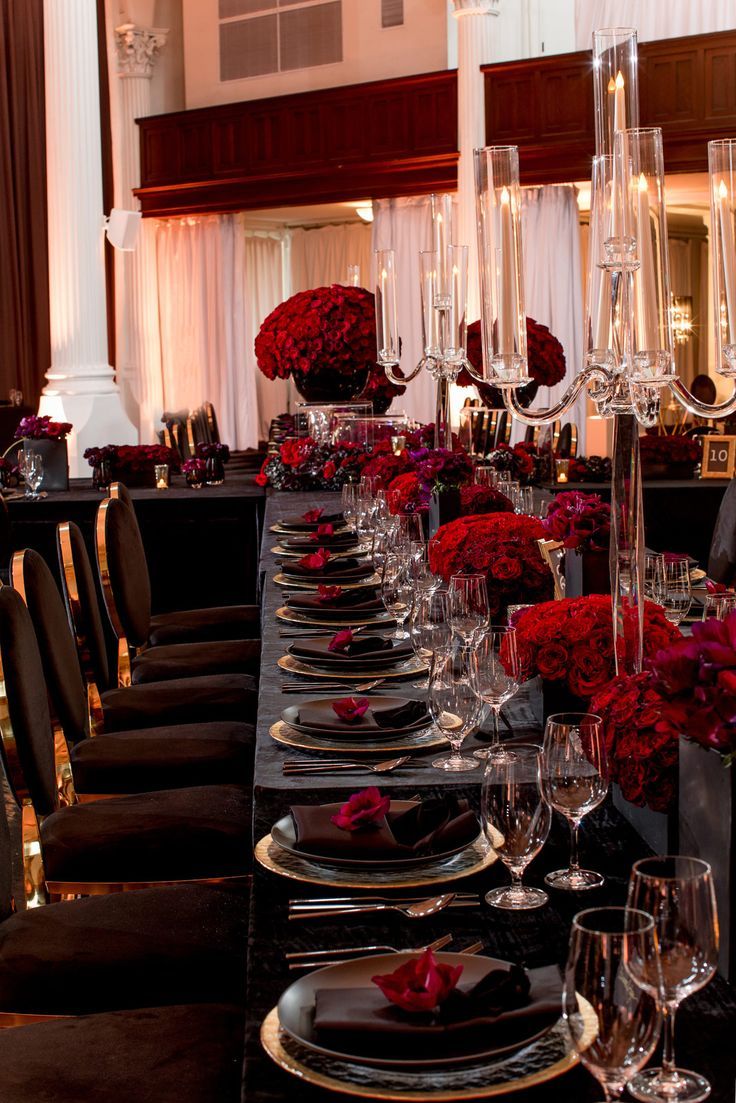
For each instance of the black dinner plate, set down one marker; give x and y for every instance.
(290, 716)
(375, 661)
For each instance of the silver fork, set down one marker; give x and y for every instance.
(312, 959)
(386, 767)
(317, 687)
(421, 910)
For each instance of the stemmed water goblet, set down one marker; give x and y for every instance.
(429, 628)
(613, 1021)
(425, 580)
(719, 605)
(498, 679)
(574, 782)
(30, 465)
(397, 592)
(516, 819)
(409, 531)
(679, 895)
(654, 576)
(676, 594)
(349, 502)
(454, 704)
(468, 606)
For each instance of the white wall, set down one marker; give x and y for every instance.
(369, 52)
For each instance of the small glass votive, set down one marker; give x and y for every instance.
(562, 471)
(485, 475)
(719, 605)
(161, 472)
(398, 444)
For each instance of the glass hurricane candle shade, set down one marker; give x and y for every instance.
(454, 335)
(722, 172)
(498, 199)
(615, 84)
(387, 319)
(428, 277)
(442, 237)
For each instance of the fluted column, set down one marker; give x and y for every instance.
(81, 385)
(137, 326)
(475, 22)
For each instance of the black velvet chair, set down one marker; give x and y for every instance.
(188, 1054)
(188, 626)
(126, 591)
(138, 761)
(175, 701)
(197, 834)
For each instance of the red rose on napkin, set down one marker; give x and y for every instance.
(363, 809)
(341, 640)
(350, 709)
(328, 593)
(716, 587)
(312, 516)
(323, 530)
(315, 561)
(421, 984)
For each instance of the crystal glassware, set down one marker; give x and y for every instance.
(677, 594)
(349, 503)
(485, 475)
(516, 819)
(615, 84)
(654, 576)
(498, 679)
(429, 628)
(719, 605)
(387, 317)
(678, 893)
(397, 593)
(454, 704)
(722, 173)
(613, 1022)
(33, 474)
(574, 781)
(468, 604)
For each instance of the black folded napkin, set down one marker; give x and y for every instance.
(363, 598)
(333, 568)
(296, 521)
(429, 827)
(362, 647)
(341, 540)
(320, 714)
(505, 1008)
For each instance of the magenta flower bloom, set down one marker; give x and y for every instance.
(364, 809)
(421, 984)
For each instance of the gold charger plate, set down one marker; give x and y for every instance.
(544, 1060)
(293, 616)
(282, 732)
(355, 553)
(474, 859)
(297, 584)
(408, 669)
(281, 531)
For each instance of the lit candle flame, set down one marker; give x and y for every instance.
(619, 79)
(505, 197)
(612, 85)
(722, 190)
(643, 182)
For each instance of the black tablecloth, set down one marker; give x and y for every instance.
(706, 1022)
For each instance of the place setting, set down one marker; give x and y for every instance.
(320, 567)
(310, 521)
(356, 725)
(352, 655)
(333, 605)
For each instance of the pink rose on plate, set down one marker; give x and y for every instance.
(315, 561)
(328, 593)
(341, 640)
(312, 516)
(350, 709)
(421, 984)
(364, 809)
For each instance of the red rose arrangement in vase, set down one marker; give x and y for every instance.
(325, 339)
(501, 546)
(483, 499)
(407, 494)
(520, 462)
(570, 642)
(590, 469)
(545, 361)
(669, 455)
(580, 522)
(641, 740)
(42, 428)
(696, 675)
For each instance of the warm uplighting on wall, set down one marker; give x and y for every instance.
(365, 211)
(682, 318)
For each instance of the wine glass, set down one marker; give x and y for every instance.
(574, 781)
(34, 473)
(429, 628)
(719, 605)
(485, 475)
(516, 819)
(454, 704)
(498, 679)
(349, 502)
(654, 576)
(396, 593)
(613, 1022)
(384, 541)
(468, 604)
(410, 530)
(677, 595)
(424, 578)
(679, 894)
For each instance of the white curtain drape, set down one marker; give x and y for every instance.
(203, 317)
(264, 291)
(553, 282)
(320, 256)
(652, 18)
(405, 225)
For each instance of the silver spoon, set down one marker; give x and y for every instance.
(324, 687)
(421, 910)
(384, 767)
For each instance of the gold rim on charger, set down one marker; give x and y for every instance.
(282, 732)
(355, 553)
(401, 670)
(298, 584)
(272, 1042)
(294, 616)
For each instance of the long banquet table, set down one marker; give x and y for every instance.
(706, 1022)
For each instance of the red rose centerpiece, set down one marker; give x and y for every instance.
(545, 362)
(501, 546)
(581, 522)
(47, 438)
(673, 457)
(325, 340)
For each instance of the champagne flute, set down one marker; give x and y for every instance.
(410, 530)
(396, 593)
(349, 502)
(429, 628)
(454, 704)
(613, 1022)
(677, 595)
(516, 819)
(498, 679)
(679, 895)
(468, 603)
(574, 781)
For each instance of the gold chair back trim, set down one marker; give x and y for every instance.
(103, 564)
(552, 552)
(70, 588)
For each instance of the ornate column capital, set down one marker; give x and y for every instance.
(138, 48)
(475, 7)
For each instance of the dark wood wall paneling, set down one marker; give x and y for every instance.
(385, 138)
(545, 105)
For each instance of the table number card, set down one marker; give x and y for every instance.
(719, 457)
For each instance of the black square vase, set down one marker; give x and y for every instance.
(55, 462)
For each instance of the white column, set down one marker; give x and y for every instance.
(81, 386)
(475, 25)
(136, 284)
